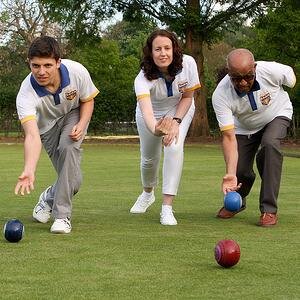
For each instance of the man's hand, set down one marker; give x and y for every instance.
(77, 132)
(25, 183)
(229, 184)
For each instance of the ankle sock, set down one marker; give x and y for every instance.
(147, 195)
(165, 208)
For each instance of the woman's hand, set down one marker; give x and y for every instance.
(163, 126)
(173, 134)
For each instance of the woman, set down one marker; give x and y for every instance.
(165, 108)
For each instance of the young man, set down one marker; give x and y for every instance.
(55, 104)
(253, 112)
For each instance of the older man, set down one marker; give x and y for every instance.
(253, 112)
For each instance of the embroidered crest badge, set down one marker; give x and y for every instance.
(181, 86)
(265, 98)
(70, 95)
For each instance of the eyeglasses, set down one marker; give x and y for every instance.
(248, 78)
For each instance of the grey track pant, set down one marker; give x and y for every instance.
(65, 155)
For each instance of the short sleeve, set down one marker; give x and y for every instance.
(142, 86)
(87, 89)
(222, 110)
(279, 73)
(192, 70)
(26, 107)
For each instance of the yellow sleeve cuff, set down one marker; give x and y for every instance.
(91, 97)
(228, 127)
(28, 118)
(140, 97)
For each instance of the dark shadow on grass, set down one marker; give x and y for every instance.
(203, 216)
(147, 217)
(209, 218)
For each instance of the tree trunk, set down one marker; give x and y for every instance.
(194, 45)
(199, 126)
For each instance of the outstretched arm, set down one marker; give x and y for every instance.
(230, 152)
(32, 151)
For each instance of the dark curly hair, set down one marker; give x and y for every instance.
(44, 46)
(147, 64)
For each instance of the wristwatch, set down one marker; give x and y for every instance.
(178, 120)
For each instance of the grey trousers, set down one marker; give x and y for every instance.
(265, 145)
(65, 155)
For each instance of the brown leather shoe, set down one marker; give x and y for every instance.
(267, 219)
(226, 214)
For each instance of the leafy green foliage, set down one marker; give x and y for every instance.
(207, 19)
(130, 35)
(80, 19)
(114, 76)
(271, 40)
(13, 71)
(276, 36)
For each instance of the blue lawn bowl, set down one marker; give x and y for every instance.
(233, 201)
(13, 230)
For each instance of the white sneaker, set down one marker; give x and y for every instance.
(141, 204)
(42, 211)
(167, 217)
(61, 226)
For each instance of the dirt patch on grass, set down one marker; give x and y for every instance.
(133, 139)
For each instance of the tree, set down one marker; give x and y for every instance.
(197, 22)
(114, 76)
(21, 21)
(13, 71)
(130, 35)
(267, 41)
(81, 19)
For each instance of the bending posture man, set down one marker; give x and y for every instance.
(55, 104)
(253, 112)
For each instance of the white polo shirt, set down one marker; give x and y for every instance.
(166, 96)
(234, 110)
(35, 102)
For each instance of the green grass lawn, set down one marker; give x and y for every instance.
(112, 254)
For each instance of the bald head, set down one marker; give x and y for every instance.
(240, 59)
(241, 69)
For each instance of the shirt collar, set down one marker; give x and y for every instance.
(160, 74)
(255, 87)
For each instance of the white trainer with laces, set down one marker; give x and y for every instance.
(42, 211)
(61, 226)
(142, 203)
(167, 216)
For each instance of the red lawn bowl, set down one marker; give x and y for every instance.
(227, 253)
